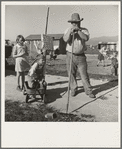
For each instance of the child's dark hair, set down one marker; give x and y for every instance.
(18, 37)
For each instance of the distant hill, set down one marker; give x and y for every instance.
(96, 40)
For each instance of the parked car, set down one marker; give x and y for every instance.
(8, 50)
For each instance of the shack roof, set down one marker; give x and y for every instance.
(107, 43)
(38, 36)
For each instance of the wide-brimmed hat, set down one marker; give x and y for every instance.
(75, 18)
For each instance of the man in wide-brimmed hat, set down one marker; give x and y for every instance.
(81, 35)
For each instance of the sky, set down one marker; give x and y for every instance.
(101, 19)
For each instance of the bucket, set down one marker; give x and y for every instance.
(51, 115)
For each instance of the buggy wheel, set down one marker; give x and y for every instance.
(24, 92)
(44, 98)
(27, 98)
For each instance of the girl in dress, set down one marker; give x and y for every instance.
(20, 54)
(102, 53)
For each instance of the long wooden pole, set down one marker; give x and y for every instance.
(46, 34)
(47, 21)
(70, 72)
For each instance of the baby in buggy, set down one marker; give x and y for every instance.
(36, 75)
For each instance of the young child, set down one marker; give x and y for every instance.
(38, 65)
(40, 60)
(114, 64)
(101, 54)
(20, 54)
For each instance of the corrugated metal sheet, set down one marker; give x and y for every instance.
(33, 37)
(38, 36)
(56, 36)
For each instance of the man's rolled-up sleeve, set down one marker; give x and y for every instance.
(86, 32)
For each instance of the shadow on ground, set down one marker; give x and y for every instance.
(54, 94)
(101, 88)
(105, 86)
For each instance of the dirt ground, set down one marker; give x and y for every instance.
(104, 108)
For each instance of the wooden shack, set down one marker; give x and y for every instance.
(37, 37)
(112, 46)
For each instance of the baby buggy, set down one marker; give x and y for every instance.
(36, 85)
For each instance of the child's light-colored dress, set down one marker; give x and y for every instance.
(21, 63)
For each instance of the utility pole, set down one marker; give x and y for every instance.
(47, 21)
